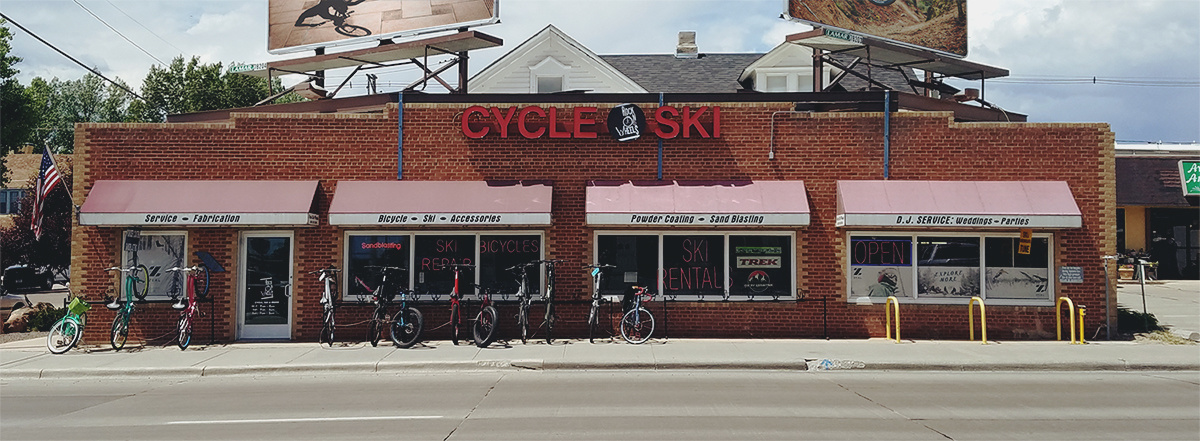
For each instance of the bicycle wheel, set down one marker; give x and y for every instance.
(185, 331)
(523, 321)
(141, 281)
(373, 331)
(550, 319)
(406, 329)
(637, 325)
(119, 333)
(485, 326)
(593, 321)
(202, 281)
(455, 323)
(327, 328)
(63, 336)
(350, 30)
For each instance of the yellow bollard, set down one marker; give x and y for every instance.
(982, 318)
(1082, 312)
(892, 305)
(1058, 317)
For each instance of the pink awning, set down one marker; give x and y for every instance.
(440, 203)
(708, 203)
(199, 203)
(965, 204)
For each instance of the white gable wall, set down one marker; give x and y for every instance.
(547, 52)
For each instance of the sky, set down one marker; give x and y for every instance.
(1133, 64)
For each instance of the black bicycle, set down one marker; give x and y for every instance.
(406, 324)
(594, 313)
(329, 302)
(551, 317)
(524, 297)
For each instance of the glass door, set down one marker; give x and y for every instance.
(264, 291)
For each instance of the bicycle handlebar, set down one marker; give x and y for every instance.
(331, 269)
(599, 265)
(124, 270)
(186, 269)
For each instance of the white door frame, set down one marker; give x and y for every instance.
(253, 331)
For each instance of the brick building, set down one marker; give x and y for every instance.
(756, 220)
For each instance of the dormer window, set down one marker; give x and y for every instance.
(548, 76)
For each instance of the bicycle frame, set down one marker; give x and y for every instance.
(189, 309)
(124, 310)
(456, 321)
(328, 324)
(594, 314)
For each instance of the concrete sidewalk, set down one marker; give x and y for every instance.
(30, 359)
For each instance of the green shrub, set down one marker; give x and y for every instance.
(1133, 322)
(44, 319)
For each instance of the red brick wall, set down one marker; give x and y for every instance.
(818, 148)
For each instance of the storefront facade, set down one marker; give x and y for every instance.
(764, 222)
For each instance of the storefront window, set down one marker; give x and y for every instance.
(368, 251)
(497, 253)
(158, 251)
(881, 266)
(760, 266)
(950, 268)
(1011, 275)
(435, 254)
(700, 267)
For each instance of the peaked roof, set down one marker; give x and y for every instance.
(708, 73)
(1151, 181)
(549, 33)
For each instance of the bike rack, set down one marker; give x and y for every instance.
(1070, 313)
(892, 305)
(982, 319)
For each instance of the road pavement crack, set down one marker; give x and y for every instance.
(894, 411)
(476, 406)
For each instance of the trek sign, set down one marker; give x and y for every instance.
(534, 122)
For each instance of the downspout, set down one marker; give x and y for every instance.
(400, 136)
(660, 143)
(887, 131)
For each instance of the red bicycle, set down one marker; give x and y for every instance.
(196, 286)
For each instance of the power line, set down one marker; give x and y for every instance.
(69, 57)
(144, 27)
(89, 11)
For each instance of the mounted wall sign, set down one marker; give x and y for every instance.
(534, 122)
(626, 122)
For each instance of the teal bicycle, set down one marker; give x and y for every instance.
(68, 330)
(137, 284)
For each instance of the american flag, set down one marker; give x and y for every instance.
(48, 177)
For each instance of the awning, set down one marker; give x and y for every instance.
(959, 204)
(419, 203)
(714, 204)
(199, 203)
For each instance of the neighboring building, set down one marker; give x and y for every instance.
(1154, 219)
(22, 170)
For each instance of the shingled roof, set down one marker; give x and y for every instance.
(1151, 182)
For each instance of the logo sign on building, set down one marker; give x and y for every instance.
(626, 122)
(1189, 176)
(937, 25)
(296, 25)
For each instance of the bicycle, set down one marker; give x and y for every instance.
(484, 328)
(337, 11)
(66, 333)
(550, 318)
(137, 284)
(405, 326)
(523, 297)
(455, 303)
(594, 313)
(328, 299)
(638, 324)
(196, 286)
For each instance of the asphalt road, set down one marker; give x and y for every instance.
(684, 405)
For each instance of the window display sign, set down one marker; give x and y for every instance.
(948, 266)
(159, 252)
(761, 266)
(434, 255)
(498, 252)
(692, 266)
(1009, 274)
(881, 266)
(367, 251)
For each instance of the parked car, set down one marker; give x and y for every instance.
(21, 277)
(10, 302)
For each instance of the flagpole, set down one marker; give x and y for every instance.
(64, 186)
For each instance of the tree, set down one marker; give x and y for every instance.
(16, 120)
(190, 86)
(58, 105)
(17, 244)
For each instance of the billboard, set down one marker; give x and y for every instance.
(296, 25)
(940, 25)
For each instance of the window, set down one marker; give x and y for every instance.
(700, 266)
(10, 201)
(549, 84)
(158, 251)
(430, 256)
(949, 268)
(776, 83)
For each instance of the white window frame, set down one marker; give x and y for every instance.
(412, 249)
(1051, 285)
(161, 271)
(549, 67)
(724, 256)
